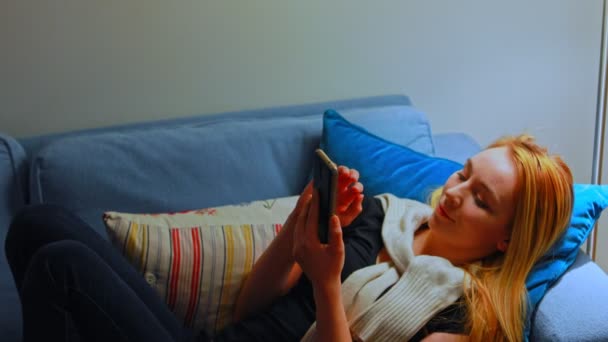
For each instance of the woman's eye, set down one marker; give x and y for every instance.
(481, 204)
(461, 176)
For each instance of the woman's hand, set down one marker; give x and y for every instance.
(349, 195)
(276, 271)
(322, 263)
(300, 204)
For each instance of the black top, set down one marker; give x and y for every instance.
(290, 316)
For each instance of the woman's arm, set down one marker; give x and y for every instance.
(275, 272)
(323, 265)
(331, 318)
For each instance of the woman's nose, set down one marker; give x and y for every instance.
(452, 198)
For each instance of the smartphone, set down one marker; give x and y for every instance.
(325, 179)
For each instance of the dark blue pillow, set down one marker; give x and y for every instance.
(388, 167)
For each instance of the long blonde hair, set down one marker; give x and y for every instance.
(496, 298)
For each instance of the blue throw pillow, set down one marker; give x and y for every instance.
(384, 166)
(388, 167)
(589, 201)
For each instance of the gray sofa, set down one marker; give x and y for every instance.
(226, 158)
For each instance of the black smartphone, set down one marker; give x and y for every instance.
(325, 179)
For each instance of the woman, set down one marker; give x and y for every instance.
(494, 219)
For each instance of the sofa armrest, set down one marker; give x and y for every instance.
(575, 308)
(13, 177)
(455, 146)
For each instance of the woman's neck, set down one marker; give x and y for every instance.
(426, 243)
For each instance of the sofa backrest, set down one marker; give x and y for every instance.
(33, 144)
(225, 159)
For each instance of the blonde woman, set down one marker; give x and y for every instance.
(399, 270)
(493, 219)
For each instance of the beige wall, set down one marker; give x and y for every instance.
(485, 68)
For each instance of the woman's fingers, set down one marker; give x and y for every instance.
(308, 189)
(336, 244)
(355, 207)
(304, 196)
(307, 222)
(346, 177)
(312, 224)
(354, 175)
(346, 199)
(306, 193)
(300, 229)
(348, 186)
(349, 195)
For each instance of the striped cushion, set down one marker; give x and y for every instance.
(197, 260)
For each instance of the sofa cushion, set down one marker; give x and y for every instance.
(12, 197)
(198, 260)
(574, 309)
(455, 146)
(225, 161)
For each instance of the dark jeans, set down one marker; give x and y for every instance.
(74, 285)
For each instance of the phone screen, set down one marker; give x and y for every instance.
(325, 177)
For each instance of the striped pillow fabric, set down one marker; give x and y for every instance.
(197, 260)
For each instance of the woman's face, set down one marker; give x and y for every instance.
(477, 205)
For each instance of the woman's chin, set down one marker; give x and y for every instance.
(439, 225)
(433, 221)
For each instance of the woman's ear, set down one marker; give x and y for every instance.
(502, 245)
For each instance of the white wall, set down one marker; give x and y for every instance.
(483, 67)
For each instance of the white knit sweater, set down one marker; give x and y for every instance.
(420, 286)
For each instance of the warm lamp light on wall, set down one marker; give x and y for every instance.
(600, 122)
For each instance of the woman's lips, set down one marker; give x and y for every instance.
(443, 213)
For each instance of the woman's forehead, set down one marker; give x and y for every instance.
(495, 167)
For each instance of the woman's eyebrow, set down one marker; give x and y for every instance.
(488, 189)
